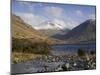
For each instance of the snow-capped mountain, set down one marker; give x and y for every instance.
(54, 27)
(54, 24)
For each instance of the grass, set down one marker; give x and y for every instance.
(28, 46)
(18, 57)
(24, 50)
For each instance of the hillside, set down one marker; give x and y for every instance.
(27, 41)
(21, 30)
(54, 33)
(59, 34)
(85, 32)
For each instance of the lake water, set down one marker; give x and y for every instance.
(72, 48)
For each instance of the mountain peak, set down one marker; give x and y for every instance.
(90, 21)
(86, 31)
(54, 24)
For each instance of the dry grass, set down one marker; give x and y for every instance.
(23, 57)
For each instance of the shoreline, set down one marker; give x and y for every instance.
(55, 64)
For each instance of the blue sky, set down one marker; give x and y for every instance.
(68, 15)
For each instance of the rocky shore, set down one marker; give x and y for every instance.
(51, 63)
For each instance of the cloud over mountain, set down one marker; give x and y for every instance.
(53, 24)
(68, 16)
(31, 18)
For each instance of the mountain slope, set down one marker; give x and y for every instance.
(20, 30)
(54, 32)
(85, 32)
(59, 35)
(27, 43)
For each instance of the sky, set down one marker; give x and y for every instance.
(67, 15)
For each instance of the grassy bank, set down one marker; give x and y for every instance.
(29, 46)
(18, 57)
(26, 49)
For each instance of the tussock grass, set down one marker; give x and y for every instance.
(18, 57)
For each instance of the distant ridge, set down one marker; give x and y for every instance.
(85, 32)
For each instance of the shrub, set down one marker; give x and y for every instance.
(92, 52)
(24, 45)
(81, 52)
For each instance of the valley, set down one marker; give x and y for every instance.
(53, 49)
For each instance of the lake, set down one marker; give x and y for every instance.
(72, 48)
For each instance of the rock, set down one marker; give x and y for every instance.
(75, 64)
(65, 67)
(53, 60)
(87, 58)
(59, 68)
(93, 65)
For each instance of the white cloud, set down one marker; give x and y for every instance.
(72, 24)
(54, 11)
(36, 20)
(79, 13)
(59, 23)
(31, 19)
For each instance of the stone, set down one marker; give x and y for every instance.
(75, 64)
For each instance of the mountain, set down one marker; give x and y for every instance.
(51, 24)
(54, 32)
(51, 28)
(59, 35)
(85, 32)
(21, 30)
